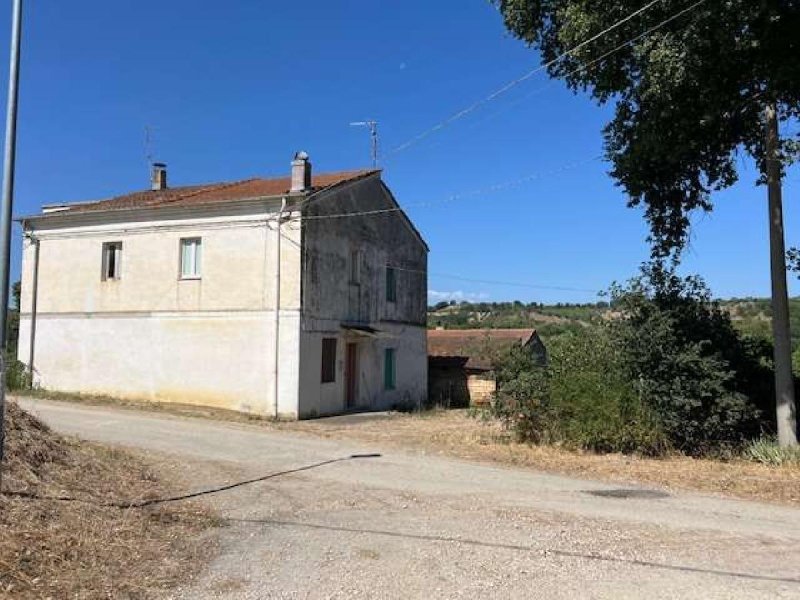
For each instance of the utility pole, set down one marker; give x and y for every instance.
(372, 125)
(784, 380)
(6, 208)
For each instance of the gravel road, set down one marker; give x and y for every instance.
(410, 525)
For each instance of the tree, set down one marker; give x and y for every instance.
(709, 80)
(793, 256)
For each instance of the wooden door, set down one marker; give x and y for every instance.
(351, 376)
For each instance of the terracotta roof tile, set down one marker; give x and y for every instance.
(475, 344)
(212, 193)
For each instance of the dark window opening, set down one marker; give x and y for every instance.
(389, 369)
(391, 284)
(328, 360)
(112, 260)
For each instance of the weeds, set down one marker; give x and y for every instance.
(767, 451)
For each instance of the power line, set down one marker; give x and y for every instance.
(454, 197)
(556, 288)
(464, 112)
(318, 253)
(603, 56)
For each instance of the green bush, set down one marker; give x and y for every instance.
(669, 371)
(707, 383)
(17, 377)
(582, 399)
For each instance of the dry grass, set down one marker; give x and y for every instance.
(84, 549)
(454, 433)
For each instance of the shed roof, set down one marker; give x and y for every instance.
(477, 345)
(210, 193)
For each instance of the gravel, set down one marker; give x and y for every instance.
(410, 525)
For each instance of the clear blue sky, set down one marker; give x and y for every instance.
(233, 88)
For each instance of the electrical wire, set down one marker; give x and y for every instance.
(478, 104)
(497, 187)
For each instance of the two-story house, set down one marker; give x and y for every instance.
(298, 296)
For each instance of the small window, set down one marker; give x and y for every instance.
(191, 258)
(389, 369)
(391, 284)
(112, 260)
(355, 266)
(328, 360)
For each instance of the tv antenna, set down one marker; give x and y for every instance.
(149, 142)
(372, 125)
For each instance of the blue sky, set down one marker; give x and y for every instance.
(232, 89)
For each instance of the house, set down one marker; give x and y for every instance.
(460, 362)
(296, 297)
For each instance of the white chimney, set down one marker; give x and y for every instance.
(158, 178)
(301, 173)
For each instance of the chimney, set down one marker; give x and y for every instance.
(301, 173)
(158, 178)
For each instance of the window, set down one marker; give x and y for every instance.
(355, 266)
(112, 260)
(391, 284)
(191, 258)
(389, 369)
(328, 360)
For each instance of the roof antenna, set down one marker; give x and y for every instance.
(372, 125)
(148, 144)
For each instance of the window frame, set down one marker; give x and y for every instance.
(197, 273)
(389, 369)
(354, 276)
(328, 362)
(391, 284)
(107, 248)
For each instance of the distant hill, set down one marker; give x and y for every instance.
(750, 315)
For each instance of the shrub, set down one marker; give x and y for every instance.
(669, 370)
(582, 399)
(705, 381)
(17, 377)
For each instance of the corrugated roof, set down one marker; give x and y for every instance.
(211, 193)
(477, 345)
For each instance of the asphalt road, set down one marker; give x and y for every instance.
(408, 525)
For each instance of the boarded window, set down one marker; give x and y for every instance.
(389, 369)
(391, 284)
(328, 360)
(191, 258)
(112, 260)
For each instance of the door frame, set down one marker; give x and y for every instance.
(351, 373)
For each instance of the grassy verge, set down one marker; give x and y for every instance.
(83, 548)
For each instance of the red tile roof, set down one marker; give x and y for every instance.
(477, 345)
(212, 193)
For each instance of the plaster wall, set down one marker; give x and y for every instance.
(152, 335)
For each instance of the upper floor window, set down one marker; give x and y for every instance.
(391, 284)
(355, 266)
(112, 260)
(191, 258)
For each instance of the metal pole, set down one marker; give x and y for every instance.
(6, 209)
(34, 309)
(374, 130)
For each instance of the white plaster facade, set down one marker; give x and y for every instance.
(210, 340)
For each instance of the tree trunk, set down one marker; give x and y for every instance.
(784, 380)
